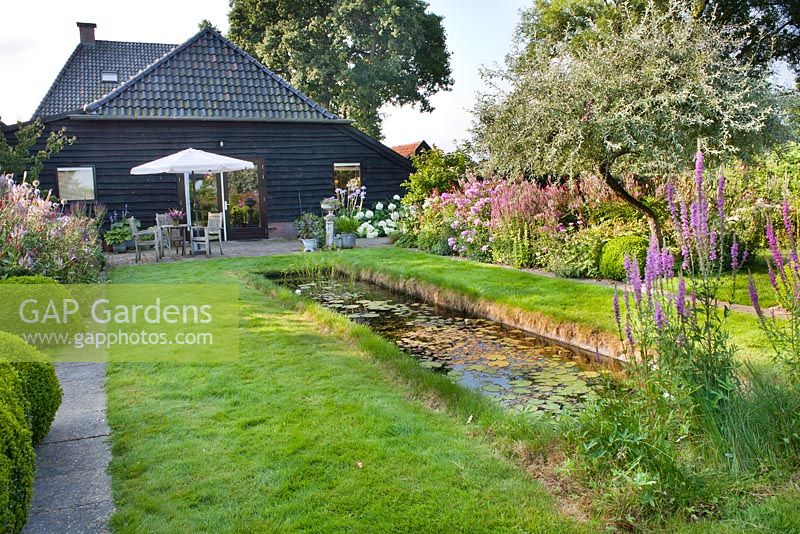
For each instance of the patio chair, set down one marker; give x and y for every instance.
(204, 235)
(138, 239)
(171, 238)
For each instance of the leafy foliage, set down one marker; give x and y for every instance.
(18, 160)
(612, 262)
(16, 452)
(37, 236)
(622, 102)
(351, 56)
(437, 171)
(765, 29)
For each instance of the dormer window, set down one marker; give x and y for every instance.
(109, 76)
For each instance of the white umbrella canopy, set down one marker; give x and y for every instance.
(191, 160)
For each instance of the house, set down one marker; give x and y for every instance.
(128, 103)
(412, 149)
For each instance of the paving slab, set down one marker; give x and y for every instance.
(72, 489)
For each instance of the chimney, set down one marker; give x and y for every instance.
(87, 32)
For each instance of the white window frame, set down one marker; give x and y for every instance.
(109, 76)
(77, 168)
(348, 164)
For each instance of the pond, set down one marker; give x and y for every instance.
(522, 371)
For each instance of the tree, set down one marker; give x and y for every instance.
(18, 159)
(206, 24)
(436, 170)
(351, 56)
(637, 99)
(764, 30)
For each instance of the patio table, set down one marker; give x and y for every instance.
(185, 232)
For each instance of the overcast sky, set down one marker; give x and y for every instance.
(37, 36)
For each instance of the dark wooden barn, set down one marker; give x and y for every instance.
(130, 103)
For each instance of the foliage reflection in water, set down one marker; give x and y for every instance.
(517, 369)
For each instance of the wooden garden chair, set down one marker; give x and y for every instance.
(139, 241)
(171, 238)
(204, 235)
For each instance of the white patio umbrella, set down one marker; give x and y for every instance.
(189, 161)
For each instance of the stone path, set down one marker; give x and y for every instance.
(72, 489)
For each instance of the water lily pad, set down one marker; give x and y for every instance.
(492, 388)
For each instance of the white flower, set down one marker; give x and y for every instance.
(392, 207)
(390, 223)
(382, 224)
(395, 215)
(360, 215)
(396, 197)
(369, 214)
(379, 206)
(389, 231)
(372, 235)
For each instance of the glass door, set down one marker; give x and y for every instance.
(246, 213)
(204, 197)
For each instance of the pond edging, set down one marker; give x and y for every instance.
(596, 345)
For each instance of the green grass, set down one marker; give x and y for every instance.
(273, 442)
(560, 298)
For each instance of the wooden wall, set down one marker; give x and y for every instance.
(298, 159)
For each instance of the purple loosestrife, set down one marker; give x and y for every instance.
(617, 316)
(735, 256)
(754, 298)
(721, 197)
(659, 318)
(680, 299)
(634, 279)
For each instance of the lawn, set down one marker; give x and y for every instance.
(321, 425)
(309, 430)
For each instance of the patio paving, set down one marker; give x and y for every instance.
(233, 249)
(72, 489)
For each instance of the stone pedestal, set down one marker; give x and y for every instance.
(330, 218)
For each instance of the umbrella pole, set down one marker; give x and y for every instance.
(224, 205)
(188, 201)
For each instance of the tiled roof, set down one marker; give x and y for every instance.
(207, 77)
(410, 149)
(79, 81)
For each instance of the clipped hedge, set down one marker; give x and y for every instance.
(31, 279)
(40, 386)
(612, 262)
(17, 459)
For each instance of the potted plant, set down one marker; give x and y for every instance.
(309, 229)
(347, 227)
(176, 215)
(117, 236)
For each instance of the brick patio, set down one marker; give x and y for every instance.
(232, 249)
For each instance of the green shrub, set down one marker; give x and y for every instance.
(613, 259)
(16, 453)
(33, 279)
(435, 230)
(37, 377)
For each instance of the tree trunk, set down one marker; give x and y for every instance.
(616, 185)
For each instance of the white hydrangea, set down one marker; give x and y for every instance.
(396, 197)
(369, 214)
(372, 235)
(379, 206)
(389, 222)
(360, 215)
(382, 224)
(392, 207)
(395, 216)
(389, 231)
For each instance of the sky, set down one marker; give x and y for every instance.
(37, 37)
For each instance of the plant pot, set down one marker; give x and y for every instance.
(337, 241)
(348, 240)
(129, 244)
(120, 247)
(309, 245)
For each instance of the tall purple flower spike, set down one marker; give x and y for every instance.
(754, 298)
